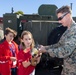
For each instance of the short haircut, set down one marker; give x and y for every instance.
(9, 30)
(64, 9)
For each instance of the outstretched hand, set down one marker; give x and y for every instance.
(42, 49)
(13, 58)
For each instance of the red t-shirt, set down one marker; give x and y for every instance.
(22, 56)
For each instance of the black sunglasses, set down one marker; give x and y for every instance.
(60, 18)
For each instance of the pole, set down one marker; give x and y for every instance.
(71, 5)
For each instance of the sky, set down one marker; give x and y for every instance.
(31, 6)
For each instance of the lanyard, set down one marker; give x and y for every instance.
(12, 49)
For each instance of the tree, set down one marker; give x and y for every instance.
(19, 13)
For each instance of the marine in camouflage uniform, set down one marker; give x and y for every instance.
(66, 47)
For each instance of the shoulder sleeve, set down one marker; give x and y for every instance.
(3, 56)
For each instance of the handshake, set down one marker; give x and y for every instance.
(36, 55)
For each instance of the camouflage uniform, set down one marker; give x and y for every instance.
(66, 48)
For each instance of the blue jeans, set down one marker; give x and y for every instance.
(13, 71)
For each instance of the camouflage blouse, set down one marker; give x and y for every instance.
(66, 49)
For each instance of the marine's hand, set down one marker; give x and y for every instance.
(42, 49)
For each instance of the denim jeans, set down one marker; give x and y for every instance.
(13, 71)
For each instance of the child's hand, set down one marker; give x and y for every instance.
(13, 58)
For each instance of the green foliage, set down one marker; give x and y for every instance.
(19, 13)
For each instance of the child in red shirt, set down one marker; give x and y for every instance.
(24, 56)
(8, 53)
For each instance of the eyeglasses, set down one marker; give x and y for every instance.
(60, 18)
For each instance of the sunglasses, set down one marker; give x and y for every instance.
(60, 18)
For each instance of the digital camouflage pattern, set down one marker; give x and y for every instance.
(66, 49)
